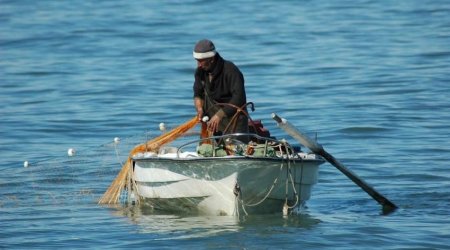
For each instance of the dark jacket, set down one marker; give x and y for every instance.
(227, 86)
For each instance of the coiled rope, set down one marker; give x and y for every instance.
(289, 176)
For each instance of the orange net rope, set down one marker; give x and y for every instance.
(204, 133)
(124, 178)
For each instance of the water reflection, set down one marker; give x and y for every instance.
(180, 226)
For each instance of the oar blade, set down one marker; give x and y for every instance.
(386, 204)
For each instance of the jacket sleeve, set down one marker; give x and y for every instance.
(237, 89)
(198, 86)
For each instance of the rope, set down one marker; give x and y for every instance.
(112, 194)
(117, 154)
(268, 193)
(288, 177)
(295, 191)
(296, 194)
(234, 118)
(243, 209)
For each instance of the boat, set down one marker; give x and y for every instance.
(221, 175)
(227, 174)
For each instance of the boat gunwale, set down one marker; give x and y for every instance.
(293, 158)
(228, 158)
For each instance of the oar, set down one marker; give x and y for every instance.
(388, 206)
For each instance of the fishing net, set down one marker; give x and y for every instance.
(64, 179)
(124, 178)
(78, 179)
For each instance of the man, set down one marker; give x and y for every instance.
(219, 90)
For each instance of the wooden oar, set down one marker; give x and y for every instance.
(112, 195)
(387, 205)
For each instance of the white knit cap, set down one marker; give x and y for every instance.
(204, 49)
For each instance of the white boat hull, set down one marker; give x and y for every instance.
(230, 185)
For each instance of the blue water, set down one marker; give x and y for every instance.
(370, 78)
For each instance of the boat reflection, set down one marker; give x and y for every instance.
(182, 226)
(179, 225)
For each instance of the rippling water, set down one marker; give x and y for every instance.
(369, 77)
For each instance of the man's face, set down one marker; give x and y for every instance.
(205, 64)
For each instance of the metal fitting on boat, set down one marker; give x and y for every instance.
(237, 189)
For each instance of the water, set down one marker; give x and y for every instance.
(369, 77)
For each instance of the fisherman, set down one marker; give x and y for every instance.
(219, 91)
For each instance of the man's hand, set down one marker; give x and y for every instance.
(213, 124)
(200, 114)
(198, 103)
